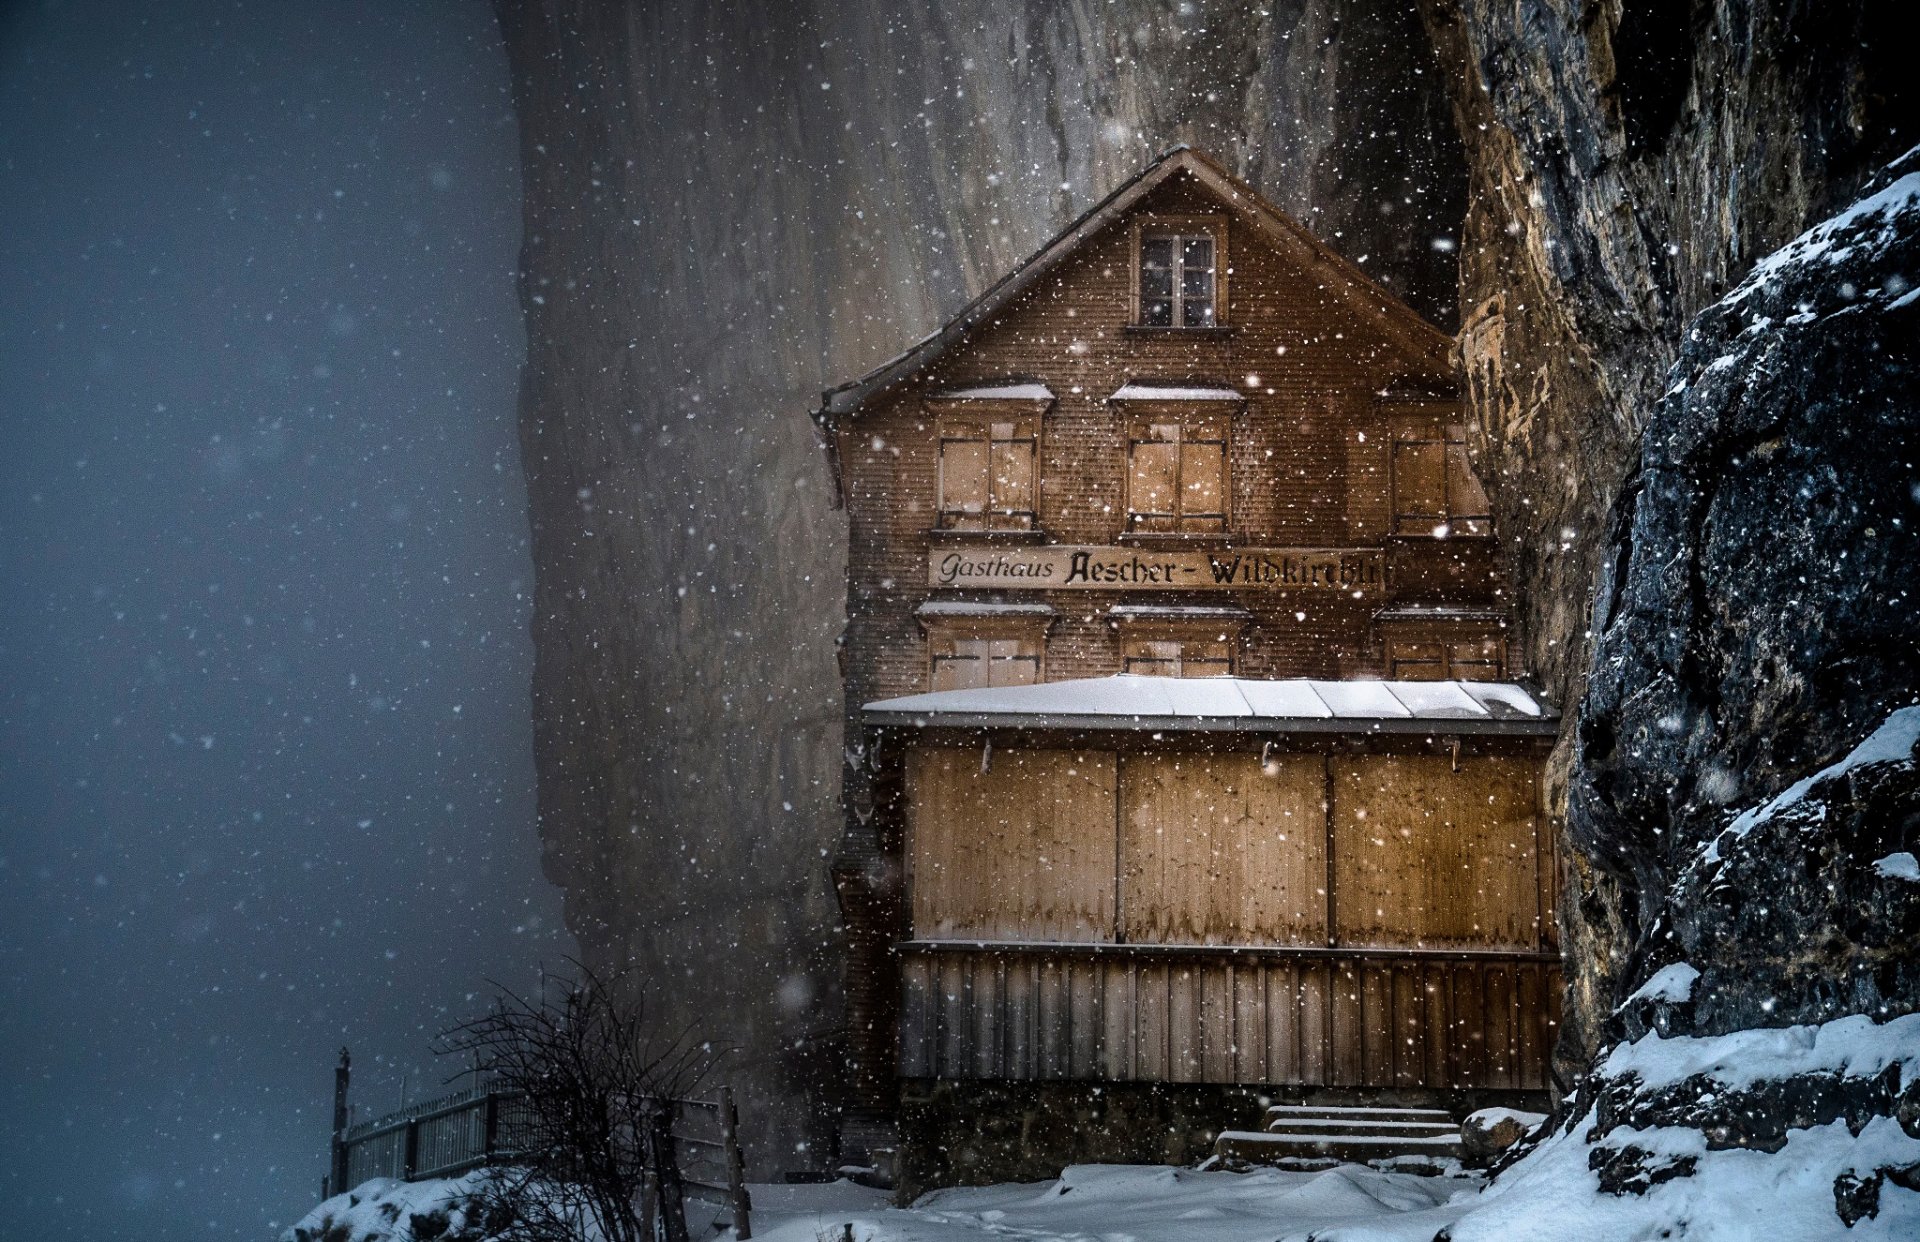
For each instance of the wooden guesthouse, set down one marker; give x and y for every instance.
(1188, 766)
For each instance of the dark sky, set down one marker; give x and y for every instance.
(265, 777)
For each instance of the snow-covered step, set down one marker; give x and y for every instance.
(1280, 1112)
(1326, 1133)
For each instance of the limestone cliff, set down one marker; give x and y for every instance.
(730, 206)
(1629, 163)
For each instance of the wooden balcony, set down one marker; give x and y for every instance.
(1361, 1018)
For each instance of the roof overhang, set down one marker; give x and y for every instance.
(1130, 703)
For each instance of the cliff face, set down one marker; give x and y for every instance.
(729, 207)
(1629, 162)
(1746, 765)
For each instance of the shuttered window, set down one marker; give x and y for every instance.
(1478, 659)
(1176, 476)
(1178, 657)
(961, 661)
(1435, 491)
(987, 473)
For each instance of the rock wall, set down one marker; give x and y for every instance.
(729, 206)
(1629, 162)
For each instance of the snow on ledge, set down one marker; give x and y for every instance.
(967, 608)
(1852, 1047)
(996, 392)
(1892, 742)
(1173, 392)
(1673, 984)
(1899, 866)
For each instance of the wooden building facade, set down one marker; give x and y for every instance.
(1184, 746)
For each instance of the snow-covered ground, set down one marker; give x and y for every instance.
(1129, 1203)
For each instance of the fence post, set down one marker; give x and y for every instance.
(410, 1152)
(490, 1130)
(670, 1206)
(736, 1167)
(337, 1164)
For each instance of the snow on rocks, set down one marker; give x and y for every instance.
(386, 1210)
(1900, 865)
(1892, 742)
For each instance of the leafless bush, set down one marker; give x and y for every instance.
(592, 1126)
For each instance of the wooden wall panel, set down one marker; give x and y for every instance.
(1364, 1020)
(1021, 851)
(1425, 857)
(1215, 850)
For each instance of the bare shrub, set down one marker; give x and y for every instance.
(591, 1130)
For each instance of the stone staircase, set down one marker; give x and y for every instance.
(1299, 1134)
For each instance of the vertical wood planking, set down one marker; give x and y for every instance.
(1428, 857)
(1369, 1020)
(1435, 979)
(1119, 1001)
(1250, 1023)
(916, 987)
(1185, 1027)
(1377, 1024)
(1347, 1055)
(1315, 1021)
(1214, 850)
(1409, 1025)
(1469, 1046)
(1021, 851)
(1017, 1017)
(1529, 1059)
(1500, 1032)
(1055, 1008)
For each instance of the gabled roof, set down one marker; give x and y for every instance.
(1419, 339)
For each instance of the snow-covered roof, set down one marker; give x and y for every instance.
(1130, 701)
(996, 392)
(1172, 392)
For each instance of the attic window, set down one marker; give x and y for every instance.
(1178, 270)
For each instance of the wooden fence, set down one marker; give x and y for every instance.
(453, 1134)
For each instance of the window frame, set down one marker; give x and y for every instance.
(944, 414)
(1452, 649)
(1180, 228)
(1212, 427)
(1459, 521)
(992, 518)
(944, 634)
(1225, 631)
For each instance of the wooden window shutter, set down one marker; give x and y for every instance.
(1013, 662)
(1419, 486)
(964, 453)
(1153, 485)
(1203, 469)
(1467, 507)
(1011, 482)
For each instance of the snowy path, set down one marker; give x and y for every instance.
(1120, 1203)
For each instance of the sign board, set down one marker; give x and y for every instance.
(1063, 567)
